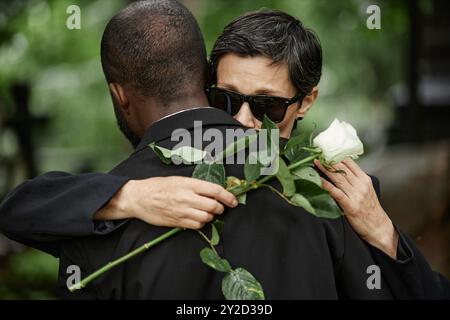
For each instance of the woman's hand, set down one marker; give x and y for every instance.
(169, 202)
(354, 192)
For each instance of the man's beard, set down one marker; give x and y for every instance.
(125, 128)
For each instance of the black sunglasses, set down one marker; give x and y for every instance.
(230, 101)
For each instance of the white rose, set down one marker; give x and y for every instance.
(338, 142)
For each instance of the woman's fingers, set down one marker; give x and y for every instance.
(345, 171)
(357, 171)
(337, 178)
(363, 180)
(341, 198)
(190, 224)
(205, 204)
(214, 191)
(198, 216)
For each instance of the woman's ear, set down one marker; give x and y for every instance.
(308, 102)
(119, 96)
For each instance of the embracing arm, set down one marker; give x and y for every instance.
(58, 205)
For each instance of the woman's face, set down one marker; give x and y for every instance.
(257, 76)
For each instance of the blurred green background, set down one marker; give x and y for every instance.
(73, 116)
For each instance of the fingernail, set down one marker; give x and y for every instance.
(234, 203)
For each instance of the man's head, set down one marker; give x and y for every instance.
(268, 52)
(154, 60)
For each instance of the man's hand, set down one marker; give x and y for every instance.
(169, 202)
(354, 192)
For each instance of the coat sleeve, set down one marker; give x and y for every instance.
(357, 274)
(409, 276)
(56, 206)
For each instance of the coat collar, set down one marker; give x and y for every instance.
(163, 128)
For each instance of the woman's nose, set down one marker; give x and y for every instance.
(245, 116)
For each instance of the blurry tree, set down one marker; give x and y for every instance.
(64, 70)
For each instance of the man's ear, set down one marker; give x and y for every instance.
(308, 102)
(118, 94)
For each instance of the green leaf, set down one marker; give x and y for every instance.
(268, 124)
(187, 154)
(285, 178)
(300, 201)
(238, 191)
(269, 127)
(252, 167)
(237, 146)
(162, 153)
(242, 199)
(297, 140)
(240, 284)
(296, 154)
(215, 238)
(307, 173)
(298, 147)
(214, 173)
(211, 259)
(267, 154)
(293, 150)
(219, 224)
(323, 204)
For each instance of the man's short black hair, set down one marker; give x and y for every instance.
(278, 36)
(157, 47)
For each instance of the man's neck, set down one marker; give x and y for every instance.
(161, 111)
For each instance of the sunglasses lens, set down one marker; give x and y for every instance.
(274, 108)
(225, 101)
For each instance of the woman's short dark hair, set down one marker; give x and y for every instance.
(276, 35)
